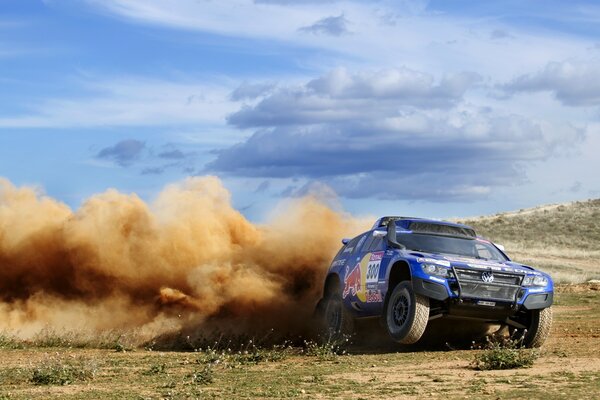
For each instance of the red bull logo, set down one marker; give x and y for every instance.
(352, 284)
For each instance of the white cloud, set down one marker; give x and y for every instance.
(344, 96)
(571, 82)
(333, 26)
(384, 33)
(130, 101)
(391, 134)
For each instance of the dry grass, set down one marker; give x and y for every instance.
(566, 368)
(562, 239)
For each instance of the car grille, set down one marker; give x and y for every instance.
(503, 288)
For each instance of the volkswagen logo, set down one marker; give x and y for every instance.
(487, 277)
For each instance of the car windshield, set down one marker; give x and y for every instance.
(449, 245)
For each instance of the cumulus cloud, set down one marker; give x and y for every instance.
(123, 153)
(249, 91)
(461, 154)
(333, 26)
(343, 96)
(389, 134)
(572, 83)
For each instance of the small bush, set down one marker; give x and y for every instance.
(156, 369)
(504, 353)
(203, 376)
(60, 371)
(249, 355)
(10, 342)
(326, 350)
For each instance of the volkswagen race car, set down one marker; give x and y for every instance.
(409, 271)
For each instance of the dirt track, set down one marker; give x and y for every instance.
(569, 367)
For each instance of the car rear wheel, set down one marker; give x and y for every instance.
(406, 314)
(336, 320)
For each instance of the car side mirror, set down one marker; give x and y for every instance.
(345, 241)
(500, 247)
(379, 234)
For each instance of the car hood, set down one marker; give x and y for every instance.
(471, 263)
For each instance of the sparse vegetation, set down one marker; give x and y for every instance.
(157, 369)
(8, 341)
(504, 353)
(566, 369)
(327, 349)
(203, 376)
(563, 240)
(63, 371)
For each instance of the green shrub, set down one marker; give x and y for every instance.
(61, 371)
(251, 354)
(326, 349)
(156, 369)
(10, 342)
(204, 376)
(502, 353)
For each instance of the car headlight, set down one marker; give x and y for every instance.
(435, 270)
(535, 281)
(540, 281)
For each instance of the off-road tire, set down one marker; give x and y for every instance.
(336, 321)
(539, 328)
(406, 314)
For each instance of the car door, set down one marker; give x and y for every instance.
(361, 280)
(375, 261)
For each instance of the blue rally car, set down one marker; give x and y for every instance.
(409, 271)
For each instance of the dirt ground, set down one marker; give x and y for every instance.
(568, 367)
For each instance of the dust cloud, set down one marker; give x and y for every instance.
(188, 261)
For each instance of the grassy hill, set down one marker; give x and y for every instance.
(562, 239)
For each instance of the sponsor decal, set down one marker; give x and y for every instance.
(364, 277)
(444, 263)
(352, 281)
(377, 256)
(372, 272)
(486, 303)
(338, 263)
(348, 249)
(372, 275)
(374, 296)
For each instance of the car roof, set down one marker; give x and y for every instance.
(428, 226)
(405, 222)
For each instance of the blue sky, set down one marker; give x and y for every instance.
(434, 108)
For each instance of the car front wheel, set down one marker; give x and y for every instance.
(538, 328)
(406, 314)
